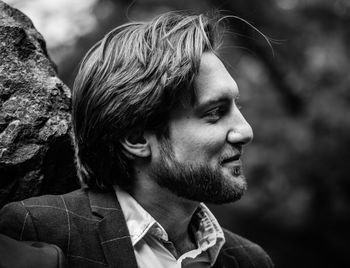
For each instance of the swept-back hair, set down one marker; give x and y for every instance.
(130, 80)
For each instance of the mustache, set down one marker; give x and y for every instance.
(233, 155)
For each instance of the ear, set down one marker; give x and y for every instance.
(136, 145)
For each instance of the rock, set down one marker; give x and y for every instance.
(36, 155)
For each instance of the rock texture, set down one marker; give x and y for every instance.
(36, 155)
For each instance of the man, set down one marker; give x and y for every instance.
(157, 131)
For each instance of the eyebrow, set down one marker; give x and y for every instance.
(213, 101)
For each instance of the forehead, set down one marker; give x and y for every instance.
(213, 81)
(212, 85)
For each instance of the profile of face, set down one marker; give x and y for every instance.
(201, 158)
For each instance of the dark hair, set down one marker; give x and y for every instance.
(131, 79)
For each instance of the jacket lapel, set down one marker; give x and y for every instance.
(225, 259)
(113, 232)
(115, 238)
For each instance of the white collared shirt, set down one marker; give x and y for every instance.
(151, 244)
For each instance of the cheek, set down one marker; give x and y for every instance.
(193, 143)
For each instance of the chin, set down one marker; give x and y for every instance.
(199, 181)
(238, 180)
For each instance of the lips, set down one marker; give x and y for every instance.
(230, 159)
(234, 164)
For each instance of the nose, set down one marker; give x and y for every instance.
(240, 132)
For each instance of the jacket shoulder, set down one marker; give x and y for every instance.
(48, 204)
(37, 217)
(246, 253)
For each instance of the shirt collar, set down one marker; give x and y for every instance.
(206, 229)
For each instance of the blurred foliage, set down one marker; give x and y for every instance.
(296, 98)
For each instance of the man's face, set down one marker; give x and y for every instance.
(200, 160)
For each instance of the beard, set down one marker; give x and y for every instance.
(197, 181)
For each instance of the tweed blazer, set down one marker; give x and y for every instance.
(90, 228)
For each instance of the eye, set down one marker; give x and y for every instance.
(215, 114)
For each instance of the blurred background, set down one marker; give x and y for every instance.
(296, 97)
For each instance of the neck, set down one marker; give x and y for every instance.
(172, 212)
